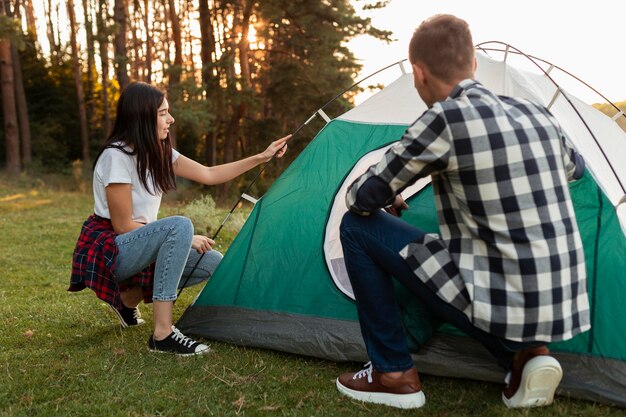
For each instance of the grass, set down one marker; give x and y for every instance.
(63, 353)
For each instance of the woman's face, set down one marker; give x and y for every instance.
(164, 120)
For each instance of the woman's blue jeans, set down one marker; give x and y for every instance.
(371, 247)
(167, 242)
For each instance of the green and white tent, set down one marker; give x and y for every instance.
(282, 283)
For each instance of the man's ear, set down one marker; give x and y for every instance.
(475, 64)
(418, 73)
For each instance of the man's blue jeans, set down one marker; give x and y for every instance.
(371, 247)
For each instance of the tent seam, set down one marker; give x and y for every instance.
(592, 312)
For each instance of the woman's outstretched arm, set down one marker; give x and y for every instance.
(218, 174)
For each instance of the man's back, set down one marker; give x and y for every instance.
(505, 186)
(499, 170)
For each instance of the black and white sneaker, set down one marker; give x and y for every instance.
(177, 343)
(128, 317)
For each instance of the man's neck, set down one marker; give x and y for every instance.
(441, 89)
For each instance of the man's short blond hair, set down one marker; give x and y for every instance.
(443, 43)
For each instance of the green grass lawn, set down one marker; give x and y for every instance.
(63, 354)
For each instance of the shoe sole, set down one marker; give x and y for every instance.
(540, 378)
(202, 352)
(405, 401)
(122, 321)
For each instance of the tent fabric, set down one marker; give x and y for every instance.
(275, 289)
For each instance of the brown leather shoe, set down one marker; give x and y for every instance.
(369, 385)
(533, 379)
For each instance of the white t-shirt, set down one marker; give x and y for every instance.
(116, 167)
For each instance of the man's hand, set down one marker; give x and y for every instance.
(397, 206)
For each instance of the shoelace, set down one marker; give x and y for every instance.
(181, 338)
(367, 371)
(136, 313)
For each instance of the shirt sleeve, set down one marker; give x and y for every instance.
(423, 149)
(114, 166)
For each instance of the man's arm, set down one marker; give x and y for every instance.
(423, 149)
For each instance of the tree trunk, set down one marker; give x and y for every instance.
(78, 81)
(207, 49)
(20, 95)
(22, 107)
(244, 45)
(176, 69)
(31, 21)
(121, 60)
(54, 47)
(9, 110)
(232, 127)
(135, 42)
(178, 53)
(146, 22)
(90, 58)
(103, 46)
(244, 64)
(240, 108)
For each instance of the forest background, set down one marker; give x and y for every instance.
(237, 74)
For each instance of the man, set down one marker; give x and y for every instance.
(508, 268)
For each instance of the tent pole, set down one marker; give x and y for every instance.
(534, 60)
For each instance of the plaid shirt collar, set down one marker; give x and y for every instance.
(462, 87)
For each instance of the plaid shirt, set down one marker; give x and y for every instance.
(509, 256)
(94, 262)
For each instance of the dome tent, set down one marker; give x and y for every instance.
(282, 283)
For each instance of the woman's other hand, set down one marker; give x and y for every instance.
(202, 243)
(278, 148)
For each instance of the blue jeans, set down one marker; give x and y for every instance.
(168, 242)
(371, 247)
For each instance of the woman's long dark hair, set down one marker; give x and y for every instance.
(136, 127)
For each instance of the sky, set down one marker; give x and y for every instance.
(584, 37)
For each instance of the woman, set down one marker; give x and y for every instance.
(124, 253)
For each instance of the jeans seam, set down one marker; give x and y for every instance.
(171, 233)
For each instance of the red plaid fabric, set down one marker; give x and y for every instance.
(94, 262)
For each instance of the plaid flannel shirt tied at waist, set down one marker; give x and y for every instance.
(93, 264)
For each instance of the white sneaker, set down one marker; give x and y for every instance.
(539, 380)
